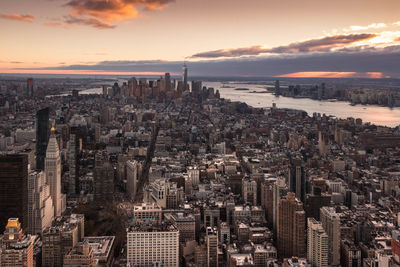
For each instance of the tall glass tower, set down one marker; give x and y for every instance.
(184, 76)
(42, 136)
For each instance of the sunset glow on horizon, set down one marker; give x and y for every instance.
(75, 36)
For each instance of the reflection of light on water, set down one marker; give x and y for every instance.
(374, 114)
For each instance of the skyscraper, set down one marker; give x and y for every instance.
(291, 227)
(42, 136)
(13, 188)
(317, 244)
(277, 88)
(297, 179)
(184, 77)
(103, 175)
(72, 160)
(132, 86)
(29, 87)
(331, 223)
(279, 190)
(40, 204)
(167, 82)
(53, 174)
(212, 247)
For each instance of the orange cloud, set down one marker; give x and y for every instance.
(53, 24)
(105, 12)
(325, 44)
(18, 17)
(89, 22)
(331, 74)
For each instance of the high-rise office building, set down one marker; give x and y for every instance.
(131, 178)
(331, 223)
(249, 191)
(13, 188)
(73, 145)
(40, 203)
(194, 176)
(16, 249)
(185, 77)
(42, 136)
(277, 87)
(267, 200)
(291, 227)
(196, 87)
(29, 87)
(132, 87)
(297, 179)
(167, 82)
(279, 190)
(317, 244)
(53, 174)
(212, 247)
(103, 175)
(148, 245)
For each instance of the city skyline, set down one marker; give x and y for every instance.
(219, 38)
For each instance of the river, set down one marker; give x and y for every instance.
(368, 113)
(257, 96)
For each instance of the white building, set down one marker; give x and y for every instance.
(331, 223)
(53, 175)
(40, 205)
(154, 244)
(194, 176)
(317, 244)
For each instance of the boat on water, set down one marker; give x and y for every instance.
(242, 89)
(226, 86)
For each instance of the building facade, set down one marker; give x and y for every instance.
(148, 245)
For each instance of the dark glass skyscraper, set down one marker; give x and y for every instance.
(42, 136)
(297, 179)
(13, 188)
(185, 77)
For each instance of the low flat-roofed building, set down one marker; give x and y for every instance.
(103, 248)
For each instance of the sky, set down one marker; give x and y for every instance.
(274, 38)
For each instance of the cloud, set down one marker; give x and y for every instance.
(18, 17)
(330, 75)
(107, 11)
(88, 22)
(234, 52)
(325, 44)
(374, 61)
(368, 27)
(397, 23)
(53, 24)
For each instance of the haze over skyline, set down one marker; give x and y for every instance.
(306, 38)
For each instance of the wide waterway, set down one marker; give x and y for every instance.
(257, 96)
(368, 113)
